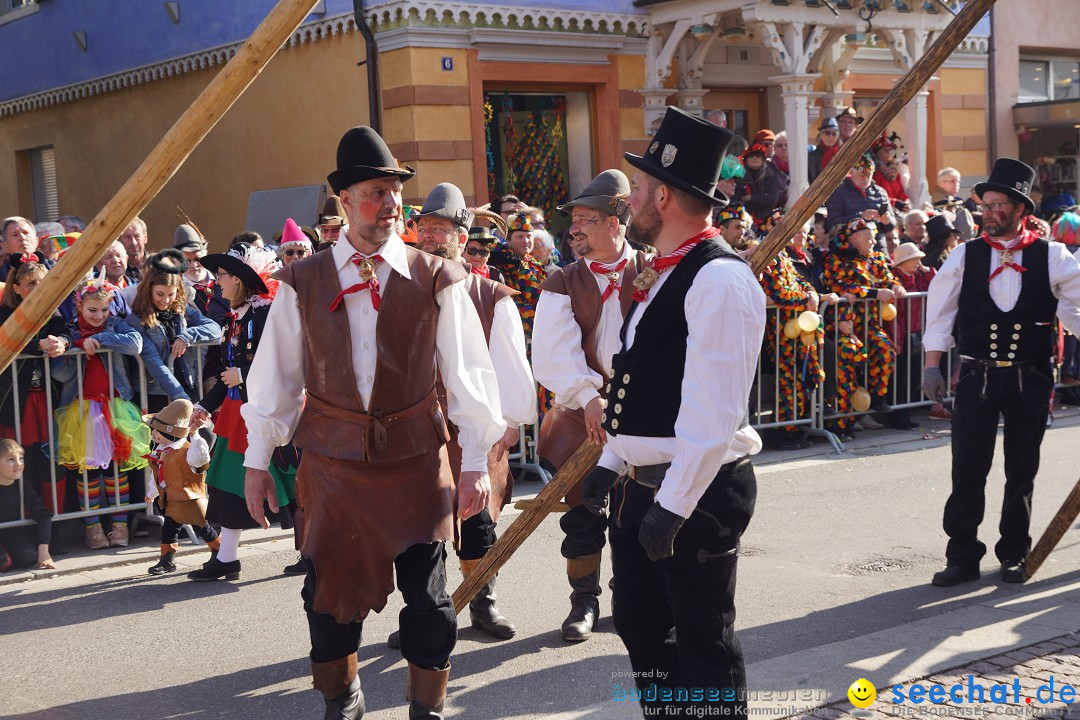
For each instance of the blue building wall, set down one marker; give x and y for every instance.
(39, 52)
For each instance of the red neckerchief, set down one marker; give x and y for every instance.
(662, 264)
(612, 273)
(206, 288)
(800, 254)
(370, 283)
(482, 270)
(1025, 239)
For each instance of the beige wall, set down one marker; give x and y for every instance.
(1028, 27)
(282, 132)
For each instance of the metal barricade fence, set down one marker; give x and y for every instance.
(115, 362)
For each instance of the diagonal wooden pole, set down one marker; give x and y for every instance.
(160, 165)
(1064, 519)
(805, 207)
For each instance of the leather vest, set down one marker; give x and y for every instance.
(404, 418)
(1024, 334)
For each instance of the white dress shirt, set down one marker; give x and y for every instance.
(725, 312)
(944, 295)
(558, 358)
(517, 390)
(276, 380)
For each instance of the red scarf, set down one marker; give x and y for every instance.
(612, 273)
(1025, 239)
(661, 264)
(371, 284)
(96, 379)
(482, 270)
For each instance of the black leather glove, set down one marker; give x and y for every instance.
(933, 384)
(658, 530)
(594, 492)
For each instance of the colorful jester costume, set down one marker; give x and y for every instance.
(523, 274)
(797, 364)
(849, 272)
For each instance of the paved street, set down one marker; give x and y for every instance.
(833, 586)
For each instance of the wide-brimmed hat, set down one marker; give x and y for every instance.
(939, 226)
(607, 192)
(446, 201)
(249, 263)
(849, 112)
(332, 212)
(1012, 177)
(363, 155)
(174, 419)
(686, 153)
(187, 239)
(906, 251)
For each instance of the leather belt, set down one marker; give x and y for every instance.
(375, 423)
(995, 363)
(651, 476)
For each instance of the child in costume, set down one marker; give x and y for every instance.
(179, 486)
(17, 549)
(855, 269)
(24, 415)
(244, 276)
(97, 424)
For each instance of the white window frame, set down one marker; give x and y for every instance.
(1049, 97)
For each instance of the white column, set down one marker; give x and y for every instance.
(691, 100)
(655, 107)
(797, 93)
(916, 129)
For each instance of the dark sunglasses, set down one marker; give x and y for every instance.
(290, 253)
(478, 252)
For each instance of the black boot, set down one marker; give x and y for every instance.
(584, 576)
(482, 611)
(340, 687)
(297, 568)
(425, 692)
(165, 564)
(215, 570)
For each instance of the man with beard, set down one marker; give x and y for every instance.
(443, 230)
(999, 294)
(576, 332)
(677, 423)
(375, 487)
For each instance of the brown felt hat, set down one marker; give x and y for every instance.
(174, 419)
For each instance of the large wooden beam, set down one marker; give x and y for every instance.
(1064, 519)
(160, 165)
(805, 207)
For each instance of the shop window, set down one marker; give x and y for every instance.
(539, 147)
(43, 183)
(1043, 80)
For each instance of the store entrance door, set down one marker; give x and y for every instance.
(744, 109)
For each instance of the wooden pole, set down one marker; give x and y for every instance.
(1064, 519)
(160, 165)
(805, 207)
(838, 168)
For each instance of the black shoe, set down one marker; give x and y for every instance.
(215, 570)
(348, 706)
(297, 568)
(954, 575)
(164, 565)
(584, 606)
(784, 442)
(1013, 571)
(485, 616)
(394, 641)
(902, 424)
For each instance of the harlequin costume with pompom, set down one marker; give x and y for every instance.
(848, 272)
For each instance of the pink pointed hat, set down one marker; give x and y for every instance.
(293, 235)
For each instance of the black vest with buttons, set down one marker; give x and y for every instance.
(1024, 334)
(645, 392)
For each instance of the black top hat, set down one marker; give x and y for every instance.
(686, 152)
(1011, 177)
(242, 261)
(607, 192)
(446, 201)
(482, 235)
(939, 226)
(363, 155)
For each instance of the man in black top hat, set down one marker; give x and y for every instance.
(998, 295)
(677, 426)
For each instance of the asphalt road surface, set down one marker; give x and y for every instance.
(839, 555)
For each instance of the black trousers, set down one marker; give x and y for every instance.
(676, 617)
(428, 622)
(584, 532)
(1020, 394)
(170, 531)
(18, 547)
(477, 536)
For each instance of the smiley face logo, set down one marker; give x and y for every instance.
(862, 693)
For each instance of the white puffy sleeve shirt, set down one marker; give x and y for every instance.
(275, 382)
(517, 390)
(725, 313)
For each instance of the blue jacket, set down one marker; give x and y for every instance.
(848, 202)
(116, 337)
(155, 354)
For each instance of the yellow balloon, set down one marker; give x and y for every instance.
(860, 400)
(809, 321)
(791, 329)
(888, 311)
(808, 338)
